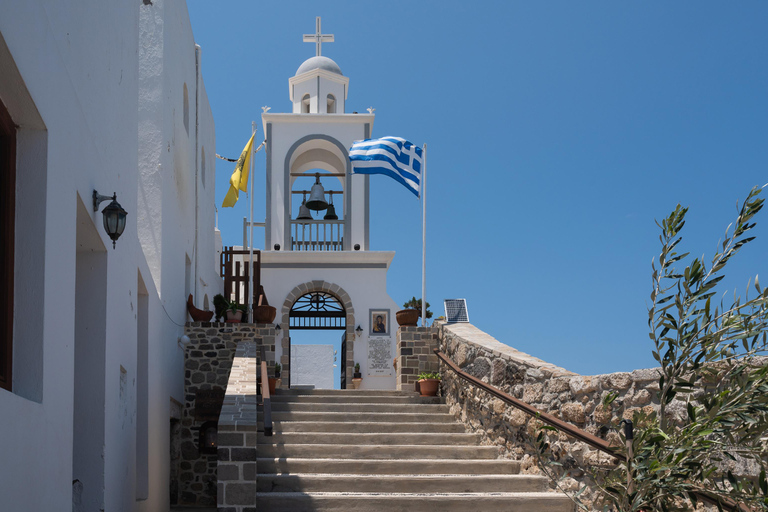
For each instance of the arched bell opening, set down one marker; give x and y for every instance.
(317, 199)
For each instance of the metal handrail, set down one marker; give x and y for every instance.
(266, 400)
(572, 430)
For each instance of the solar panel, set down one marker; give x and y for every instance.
(456, 310)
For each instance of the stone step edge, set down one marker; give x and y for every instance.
(417, 495)
(407, 461)
(418, 476)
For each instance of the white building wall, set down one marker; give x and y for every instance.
(312, 365)
(71, 76)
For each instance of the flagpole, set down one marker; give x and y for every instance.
(424, 239)
(250, 224)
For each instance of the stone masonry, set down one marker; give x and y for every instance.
(207, 363)
(415, 354)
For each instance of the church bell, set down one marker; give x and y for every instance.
(331, 213)
(303, 210)
(317, 200)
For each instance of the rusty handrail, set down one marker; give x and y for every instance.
(572, 430)
(266, 400)
(547, 418)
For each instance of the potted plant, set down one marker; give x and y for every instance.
(235, 312)
(273, 380)
(429, 383)
(357, 377)
(220, 306)
(411, 314)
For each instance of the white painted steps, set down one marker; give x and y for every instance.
(385, 451)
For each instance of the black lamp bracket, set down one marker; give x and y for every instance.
(98, 199)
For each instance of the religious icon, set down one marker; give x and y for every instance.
(379, 322)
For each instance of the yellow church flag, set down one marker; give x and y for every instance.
(239, 179)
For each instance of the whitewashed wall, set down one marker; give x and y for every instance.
(74, 76)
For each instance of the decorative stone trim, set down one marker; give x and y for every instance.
(285, 324)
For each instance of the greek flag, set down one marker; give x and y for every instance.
(393, 156)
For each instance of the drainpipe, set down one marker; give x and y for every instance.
(198, 51)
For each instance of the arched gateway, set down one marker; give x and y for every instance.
(319, 305)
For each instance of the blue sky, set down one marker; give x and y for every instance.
(557, 132)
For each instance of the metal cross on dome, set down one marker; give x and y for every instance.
(318, 38)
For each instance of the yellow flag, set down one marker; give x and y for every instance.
(239, 179)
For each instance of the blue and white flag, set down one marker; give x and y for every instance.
(393, 156)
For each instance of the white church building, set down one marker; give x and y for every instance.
(105, 97)
(317, 269)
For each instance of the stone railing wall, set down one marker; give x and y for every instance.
(415, 354)
(207, 364)
(574, 398)
(237, 434)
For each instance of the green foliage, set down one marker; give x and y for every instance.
(415, 303)
(220, 305)
(278, 369)
(713, 386)
(234, 305)
(357, 367)
(428, 375)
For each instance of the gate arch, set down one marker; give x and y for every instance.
(285, 320)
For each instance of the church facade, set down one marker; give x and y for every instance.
(317, 269)
(104, 97)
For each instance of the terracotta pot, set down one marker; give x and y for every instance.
(408, 317)
(272, 386)
(264, 314)
(428, 387)
(356, 383)
(234, 317)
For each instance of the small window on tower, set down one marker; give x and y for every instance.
(331, 104)
(7, 233)
(305, 104)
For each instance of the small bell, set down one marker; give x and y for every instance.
(317, 200)
(303, 210)
(331, 213)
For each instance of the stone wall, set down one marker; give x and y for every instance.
(415, 354)
(207, 363)
(574, 398)
(238, 434)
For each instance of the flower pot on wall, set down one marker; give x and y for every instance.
(408, 317)
(264, 314)
(234, 316)
(272, 385)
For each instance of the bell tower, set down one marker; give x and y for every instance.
(317, 268)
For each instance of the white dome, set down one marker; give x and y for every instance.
(319, 62)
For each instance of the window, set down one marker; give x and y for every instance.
(7, 221)
(331, 104)
(305, 104)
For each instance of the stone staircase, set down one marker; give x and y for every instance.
(385, 451)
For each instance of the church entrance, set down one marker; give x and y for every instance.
(318, 322)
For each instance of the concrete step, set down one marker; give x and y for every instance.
(346, 451)
(358, 407)
(371, 466)
(425, 437)
(343, 392)
(356, 417)
(414, 502)
(363, 427)
(405, 483)
(353, 398)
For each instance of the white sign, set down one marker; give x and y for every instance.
(379, 356)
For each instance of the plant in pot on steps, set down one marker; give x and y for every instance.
(409, 316)
(429, 383)
(220, 306)
(357, 377)
(236, 312)
(273, 380)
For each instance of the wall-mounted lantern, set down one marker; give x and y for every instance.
(114, 215)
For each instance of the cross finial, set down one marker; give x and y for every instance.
(318, 38)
